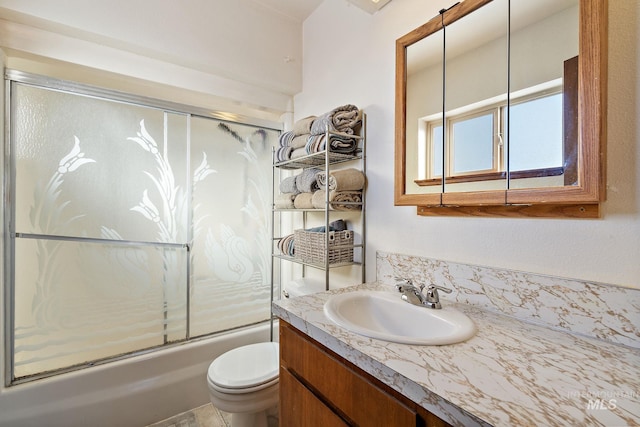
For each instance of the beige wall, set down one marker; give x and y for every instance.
(604, 250)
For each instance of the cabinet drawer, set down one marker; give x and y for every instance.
(354, 397)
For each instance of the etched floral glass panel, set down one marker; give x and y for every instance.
(88, 167)
(231, 166)
(100, 214)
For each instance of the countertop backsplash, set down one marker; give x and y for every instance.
(606, 312)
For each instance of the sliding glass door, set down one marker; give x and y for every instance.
(129, 226)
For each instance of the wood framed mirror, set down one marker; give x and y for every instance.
(501, 110)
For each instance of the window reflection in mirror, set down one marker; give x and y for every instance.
(482, 145)
(544, 36)
(476, 75)
(424, 94)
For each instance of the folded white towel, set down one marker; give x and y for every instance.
(303, 201)
(284, 201)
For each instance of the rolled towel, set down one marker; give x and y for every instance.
(299, 141)
(288, 185)
(283, 154)
(286, 245)
(298, 152)
(284, 201)
(338, 144)
(286, 138)
(303, 201)
(306, 181)
(341, 180)
(346, 200)
(303, 126)
(338, 200)
(341, 119)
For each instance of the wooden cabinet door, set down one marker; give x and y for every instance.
(356, 398)
(299, 407)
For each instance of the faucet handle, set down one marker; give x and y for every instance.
(403, 284)
(432, 299)
(436, 287)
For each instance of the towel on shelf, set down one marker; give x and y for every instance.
(338, 200)
(306, 181)
(337, 225)
(341, 180)
(343, 144)
(288, 185)
(286, 138)
(341, 119)
(299, 141)
(297, 153)
(284, 201)
(303, 126)
(283, 153)
(303, 201)
(286, 245)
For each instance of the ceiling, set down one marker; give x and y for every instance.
(297, 9)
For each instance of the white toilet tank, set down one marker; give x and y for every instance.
(303, 286)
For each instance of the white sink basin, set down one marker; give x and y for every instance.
(383, 315)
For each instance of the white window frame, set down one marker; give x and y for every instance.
(495, 106)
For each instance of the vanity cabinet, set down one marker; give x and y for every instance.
(320, 388)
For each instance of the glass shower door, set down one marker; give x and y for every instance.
(99, 222)
(231, 225)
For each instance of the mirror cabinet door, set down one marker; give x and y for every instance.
(424, 132)
(543, 112)
(489, 95)
(476, 88)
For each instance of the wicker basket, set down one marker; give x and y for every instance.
(310, 246)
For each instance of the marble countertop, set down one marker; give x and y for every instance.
(511, 373)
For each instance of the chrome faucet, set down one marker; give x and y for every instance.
(414, 295)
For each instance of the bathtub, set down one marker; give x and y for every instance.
(133, 392)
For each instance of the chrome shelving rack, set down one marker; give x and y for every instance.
(326, 160)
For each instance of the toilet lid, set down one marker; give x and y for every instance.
(246, 366)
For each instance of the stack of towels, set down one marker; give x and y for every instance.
(296, 191)
(308, 190)
(344, 189)
(308, 135)
(293, 143)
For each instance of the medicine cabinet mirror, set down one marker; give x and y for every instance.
(501, 110)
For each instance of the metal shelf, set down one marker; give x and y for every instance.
(318, 159)
(324, 160)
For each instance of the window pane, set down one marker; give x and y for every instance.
(536, 134)
(473, 144)
(436, 151)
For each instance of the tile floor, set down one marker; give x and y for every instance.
(206, 416)
(203, 416)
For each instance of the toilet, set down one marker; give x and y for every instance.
(244, 383)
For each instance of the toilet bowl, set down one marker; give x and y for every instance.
(244, 383)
